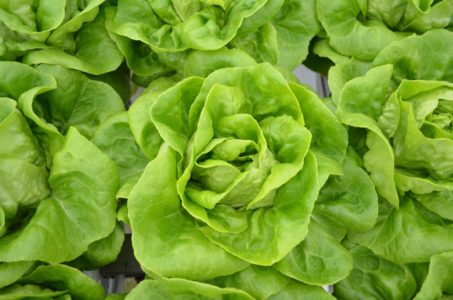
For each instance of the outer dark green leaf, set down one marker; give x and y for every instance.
(65, 280)
(279, 33)
(348, 201)
(424, 61)
(114, 138)
(348, 35)
(329, 140)
(144, 131)
(435, 195)
(295, 290)
(101, 252)
(19, 291)
(260, 282)
(375, 278)
(22, 169)
(360, 105)
(82, 180)
(267, 283)
(397, 234)
(77, 101)
(318, 260)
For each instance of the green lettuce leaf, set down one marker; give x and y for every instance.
(144, 131)
(348, 201)
(435, 195)
(176, 26)
(398, 232)
(26, 170)
(114, 138)
(361, 29)
(375, 278)
(417, 16)
(29, 290)
(77, 101)
(267, 283)
(279, 33)
(424, 61)
(77, 185)
(294, 290)
(92, 51)
(101, 252)
(439, 280)
(329, 140)
(63, 32)
(360, 105)
(348, 34)
(259, 282)
(54, 281)
(202, 63)
(183, 289)
(11, 272)
(318, 260)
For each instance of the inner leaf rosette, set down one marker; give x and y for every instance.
(234, 181)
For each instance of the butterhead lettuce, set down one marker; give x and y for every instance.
(400, 121)
(361, 29)
(155, 37)
(63, 32)
(224, 185)
(51, 174)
